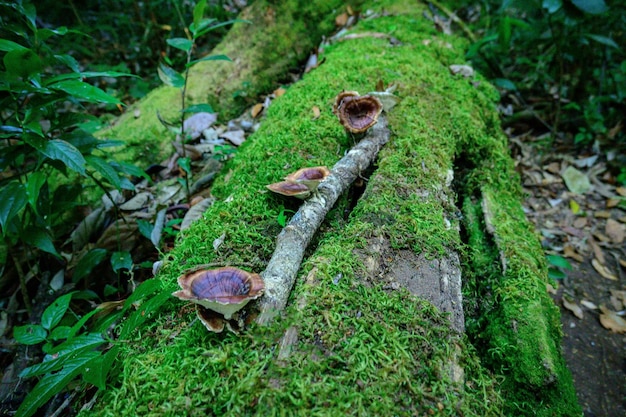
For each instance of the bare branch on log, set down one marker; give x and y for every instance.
(282, 269)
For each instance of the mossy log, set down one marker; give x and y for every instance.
(374, 325)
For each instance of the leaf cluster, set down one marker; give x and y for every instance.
(568, 52)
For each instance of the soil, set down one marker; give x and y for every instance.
(595, 355)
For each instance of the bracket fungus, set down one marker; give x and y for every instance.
(357, 113)
(311, 177)
(290, 189)
(224, 290)
(302, 183)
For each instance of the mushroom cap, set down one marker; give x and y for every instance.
(213, 321)
(290, 189)
(224, 290)
(311, 177)
(357, 113)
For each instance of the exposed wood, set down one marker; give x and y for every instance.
(282, 269)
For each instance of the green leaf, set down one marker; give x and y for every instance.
(65, 152)
(30, 13)
(13, 198)
(591, 6)
(30, 334)
(84, 92)
(169, 76)
(53, 314)
(46, 33)
(88, 262)
(147, 310)
(183, 44)
(40, 238)
(144, 289)
(555, 274)
(22, 63)
(504, 83)
(103, 168)
(7, 46)
(86, 74)
(198, 13)
(130, 169)
(185, 164)
(80, 323)
(210, 58)
(199, 108)
(69, 61)
(84, 341)
(121, 260)
(52, 384)
(35, 181)
(197, 27)
(98, 371)
(552, 6)
(60, 333)
(603, 40)
(204, 29)
(559, 262)
(49, 364)
(145, 228)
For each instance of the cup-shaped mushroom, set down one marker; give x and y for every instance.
(311, 177)
(224, 290)
(357, 113)
(290, 189)
(214, 322)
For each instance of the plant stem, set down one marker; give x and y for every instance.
(182, 119)
(22, 277)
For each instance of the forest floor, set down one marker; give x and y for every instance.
(588, 230)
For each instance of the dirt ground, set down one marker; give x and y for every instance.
(581, 228)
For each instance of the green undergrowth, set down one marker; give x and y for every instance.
(361, 349)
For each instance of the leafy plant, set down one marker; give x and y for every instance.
(72, 352)
(200, 27)
(565, 51)
(46, 137)
(556, 266)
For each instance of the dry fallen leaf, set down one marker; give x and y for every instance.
(596, 250)
(279, 92)
(610, 320)
(341, 20)
(570, 252)
(576, 181)
(589, 305)
(613, 202)
(602, 214)
(580, 222)
(236, 137)
(316, 112)
(256, 110)
(196, 212)
(615, 231)
(573, 307)
(550, 289)
(465, 70)
(603, 270)
(621, 191)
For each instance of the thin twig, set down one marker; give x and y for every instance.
(281, 271)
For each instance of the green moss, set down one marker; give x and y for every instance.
(362, 350)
